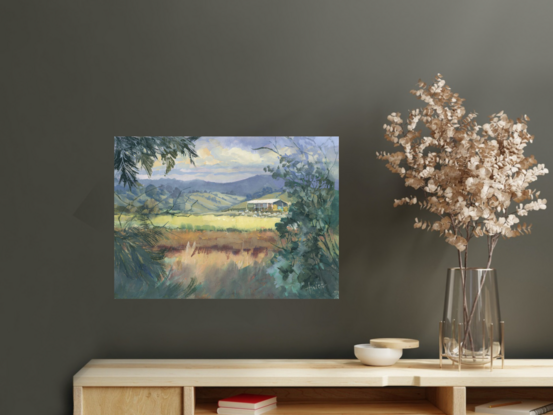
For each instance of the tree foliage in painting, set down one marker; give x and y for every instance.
(134, 254)
(307, 262)
(132, 152)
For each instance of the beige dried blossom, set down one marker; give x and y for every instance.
(475, 178)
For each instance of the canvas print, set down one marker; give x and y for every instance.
(226, 217)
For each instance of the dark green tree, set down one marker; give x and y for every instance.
(307, 262)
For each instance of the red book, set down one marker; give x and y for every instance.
(247, 401)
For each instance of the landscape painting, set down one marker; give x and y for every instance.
(226, 217)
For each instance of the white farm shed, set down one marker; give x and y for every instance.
(266, 204)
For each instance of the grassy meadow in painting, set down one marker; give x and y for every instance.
(226, 217)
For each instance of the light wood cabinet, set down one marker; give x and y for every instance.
(176, 387)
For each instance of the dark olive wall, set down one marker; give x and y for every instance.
(76, 73)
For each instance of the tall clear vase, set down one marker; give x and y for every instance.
(471, 330)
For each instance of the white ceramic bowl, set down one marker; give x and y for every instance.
(376, 356)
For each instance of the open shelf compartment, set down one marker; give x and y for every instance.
(362, 400)
(479, 396)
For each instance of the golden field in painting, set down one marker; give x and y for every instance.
(222, 256)
(222, 264)
(219, 240)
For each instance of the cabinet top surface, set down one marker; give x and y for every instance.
(305, 373)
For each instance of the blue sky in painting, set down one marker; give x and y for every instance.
(228, 159)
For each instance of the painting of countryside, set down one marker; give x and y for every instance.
(226, 217)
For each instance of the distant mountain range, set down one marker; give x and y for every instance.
(248, 187)
(194, 196)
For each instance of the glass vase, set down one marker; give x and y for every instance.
(471, 332)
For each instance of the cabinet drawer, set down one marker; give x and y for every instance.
(132, 401)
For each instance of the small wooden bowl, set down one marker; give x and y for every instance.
(395, 343)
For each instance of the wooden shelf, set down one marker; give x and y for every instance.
(411, 387)
(333, 408)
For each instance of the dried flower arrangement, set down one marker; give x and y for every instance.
(475, 178)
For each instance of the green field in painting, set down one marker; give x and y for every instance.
(212, 222)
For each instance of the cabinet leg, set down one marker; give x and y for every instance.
(189, 400)
(451, 400)
(77, 400)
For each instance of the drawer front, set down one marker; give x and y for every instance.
(132, 401)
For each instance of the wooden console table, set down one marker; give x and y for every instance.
(177, 387)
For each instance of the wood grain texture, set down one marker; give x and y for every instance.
(132, 401)
(420, 408)
(77, 400)
(212, 395)
(395, 343)
(450, 400)
(188, 400)
(301, 373)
